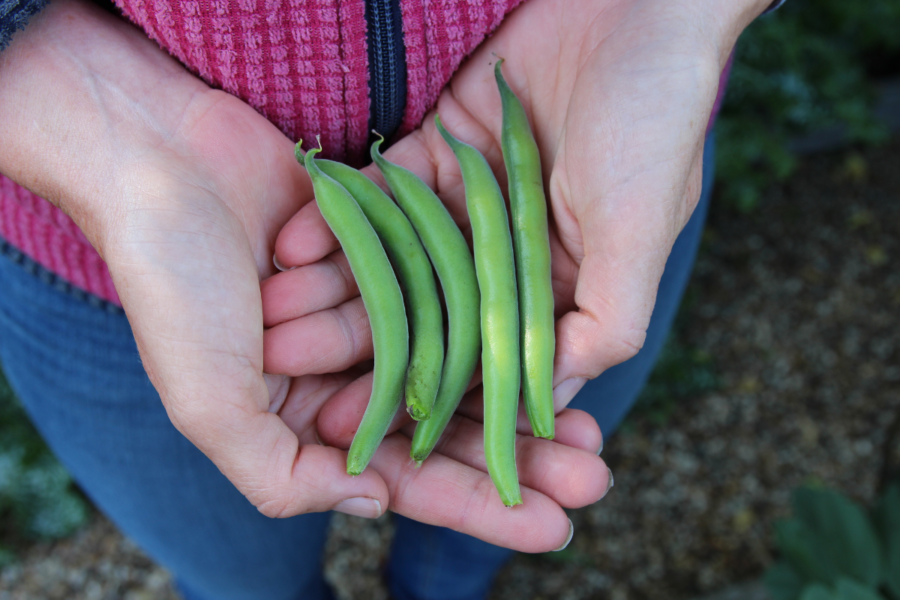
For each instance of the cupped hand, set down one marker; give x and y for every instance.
(182, 190)
(619, 94)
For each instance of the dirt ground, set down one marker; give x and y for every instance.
(793, 314)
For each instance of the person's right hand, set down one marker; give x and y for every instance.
(182, 190)
(619, 93)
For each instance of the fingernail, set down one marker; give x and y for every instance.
(318, 439)
(564, 392)
(600, 449)
(609, 484)
(367, 508)
(278, 264)
(568, 539)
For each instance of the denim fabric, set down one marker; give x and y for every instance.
(72, 360)
(14, 15)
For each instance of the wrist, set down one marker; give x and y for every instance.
(83, 97)
(722, 23)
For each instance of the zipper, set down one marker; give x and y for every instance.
(387, 66)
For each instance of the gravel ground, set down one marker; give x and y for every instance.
(796, 308)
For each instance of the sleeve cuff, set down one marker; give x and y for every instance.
(14, 14)
(774, 6)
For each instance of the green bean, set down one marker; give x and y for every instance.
(528, 206)
(495, 269)
(383, 301)
(453, 263)
(426, 321)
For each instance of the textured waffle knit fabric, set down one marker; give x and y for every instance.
(303, 64)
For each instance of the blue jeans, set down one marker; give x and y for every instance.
(72, 360)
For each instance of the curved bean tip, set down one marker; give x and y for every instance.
(298, 152)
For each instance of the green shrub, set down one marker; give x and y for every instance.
(832, 549)
(37, 497)
(808, 66)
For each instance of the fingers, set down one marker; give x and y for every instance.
(305, 398)
(283, 478)
(339, 419)
(574, 428)
(305, 238)
(566, 471)
(296, 293)
(327, 341)
(571, 476)
(450, 494)
(578, 429)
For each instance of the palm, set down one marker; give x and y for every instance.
(188, 270)
(188, 267)
(619, 101)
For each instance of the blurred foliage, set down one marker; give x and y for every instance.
(808, 66)
(37, 497)
(833, 549)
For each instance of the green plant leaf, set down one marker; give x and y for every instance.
(838, 535)
(37, 497)
(783, 582)
(800, 548)
(887, 519)
(7, 556)
(847, 589)
(817, 591)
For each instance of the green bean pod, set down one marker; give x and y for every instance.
(455, 268)
(416, 277)
(496, 272)
(531, 237)
(383, 300)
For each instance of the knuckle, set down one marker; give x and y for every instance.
(341, 267)
(274, 505)
(625, 344)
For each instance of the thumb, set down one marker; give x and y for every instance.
(627, 182)
(618, 279)
(282, 478)
(191, 291)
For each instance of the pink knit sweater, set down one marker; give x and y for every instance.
(303, 64)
